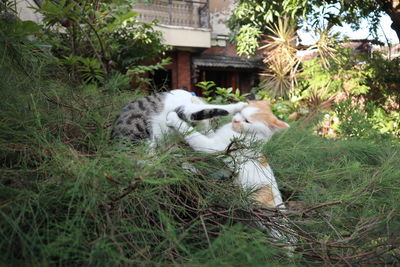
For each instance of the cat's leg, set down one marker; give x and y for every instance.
(256, 175)
(268, 195)
(196, 112)
(196, 140)
(268, 178)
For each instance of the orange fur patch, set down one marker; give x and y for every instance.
(265, 196)
(263, 161)
(237, 126)
(265, 114)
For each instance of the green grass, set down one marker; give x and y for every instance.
(68, 196)
(362, 174)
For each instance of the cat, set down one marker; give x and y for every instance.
(255, 122)
(149, 118)
(144, 119)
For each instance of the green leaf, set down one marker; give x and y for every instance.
(28, 27)
(127, 16)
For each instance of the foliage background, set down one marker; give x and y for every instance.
(69, 196)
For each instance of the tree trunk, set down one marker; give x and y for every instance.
(392, 8)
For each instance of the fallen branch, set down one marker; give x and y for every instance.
(128, 190)
(112, 179)
(321, 206)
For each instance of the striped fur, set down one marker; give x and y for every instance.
(133, 123)
(208, 114)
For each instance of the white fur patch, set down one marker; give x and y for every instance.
(196, 100)
(247, 112)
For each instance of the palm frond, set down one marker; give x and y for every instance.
(280, 58)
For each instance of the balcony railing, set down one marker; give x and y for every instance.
(181, 13)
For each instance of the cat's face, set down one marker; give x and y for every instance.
(257, 118)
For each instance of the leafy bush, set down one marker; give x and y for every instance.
(371, 121)
(353, 121)
(356, 91)
(95, 38)
(219, 95)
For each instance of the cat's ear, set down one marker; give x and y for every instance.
(278, 124)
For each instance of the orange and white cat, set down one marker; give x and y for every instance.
(255, 122)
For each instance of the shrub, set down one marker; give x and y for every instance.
(219, 95)
(94, 39)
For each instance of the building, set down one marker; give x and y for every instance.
(198, 34)
(357, 46)
(25, 12)
(392, 51)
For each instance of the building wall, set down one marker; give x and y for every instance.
(26, 13)
(220, 12)
(181, 69)
(182, 23)
(185, 37)
(227, 50)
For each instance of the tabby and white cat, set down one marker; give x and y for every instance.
(255, 122)
(149, 118)
(144, 119)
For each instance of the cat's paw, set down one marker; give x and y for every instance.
(239, 106)
(180, 111)
(175, 122)
(173, 119)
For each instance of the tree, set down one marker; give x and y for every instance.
(251, 18)
(392, 8)
(95, 38)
